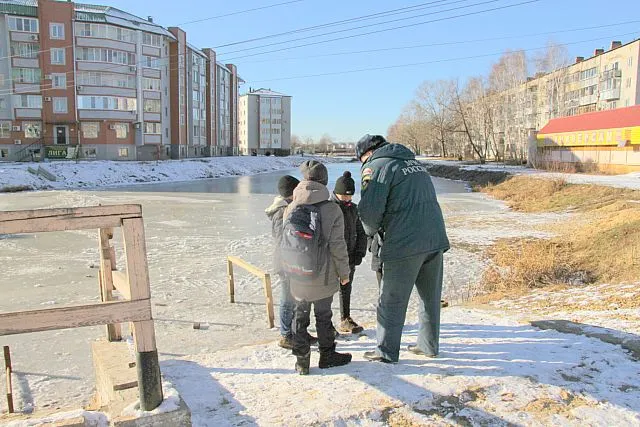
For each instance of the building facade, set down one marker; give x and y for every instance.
(264, 122)
(94, 82)
(607, 80)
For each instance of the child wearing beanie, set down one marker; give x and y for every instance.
(356, 240)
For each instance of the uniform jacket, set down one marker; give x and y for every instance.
(331, 219)
(398, 198)
(354, 234)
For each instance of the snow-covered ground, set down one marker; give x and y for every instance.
(494, 368)
(93, 174)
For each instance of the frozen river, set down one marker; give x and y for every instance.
(190, 229)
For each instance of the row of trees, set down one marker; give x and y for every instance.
(309, 145)
(487, 116)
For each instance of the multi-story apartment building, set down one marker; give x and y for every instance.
(86, 81)
(607, 80)
(264, 122)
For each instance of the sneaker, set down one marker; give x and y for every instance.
(286, 342)
(332, 359)
(415, 350)
(349, 326)
(302, 364)
(373, 356)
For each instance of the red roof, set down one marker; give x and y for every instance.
(609, 119)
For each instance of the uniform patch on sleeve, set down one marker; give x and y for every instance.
(367, 173)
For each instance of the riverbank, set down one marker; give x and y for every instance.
(96, 174)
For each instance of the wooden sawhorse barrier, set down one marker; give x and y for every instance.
(132, 284)
(266, 280)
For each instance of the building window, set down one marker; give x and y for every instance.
(630, 61)
(90, 153)
(25, 50)
(150, 84)
(57, 56)
(26, 75)
(104, 31)
(182, 99)
(196, 131)
(56, 31)
(152, 106)
(151, 39)
(27, 101)
(166, 132)
(28, 25)
(628, 82)
(106, 79)
(95, 54)
(114, 103)
(5, 129)
(32, 129)
(182, 119)
(59, 81)
(90, 130)
(150, 62)
(196, 114)
(60, 105)
(122, 130)
(153, 128)
(123, 152)
(4, 153)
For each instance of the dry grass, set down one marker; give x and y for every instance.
(600, 243)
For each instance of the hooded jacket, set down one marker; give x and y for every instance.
(275, 212)
(327, 282)
(399, 199)
(354, 234)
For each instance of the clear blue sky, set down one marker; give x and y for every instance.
(349, 105)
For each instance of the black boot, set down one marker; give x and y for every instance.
(330, 358)
(302, 364)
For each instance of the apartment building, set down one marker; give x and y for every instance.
(95, 82)
(264, 122)
(607, 80)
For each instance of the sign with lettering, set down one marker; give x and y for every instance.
(57, 152)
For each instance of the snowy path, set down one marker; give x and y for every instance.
(491, 371)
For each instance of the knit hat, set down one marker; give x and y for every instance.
(345, 184)
(286, 185)
(312, 170)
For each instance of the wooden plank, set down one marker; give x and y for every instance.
(144, 336)
(136, 258)
(38, 225)
(232, 297)
(112, 255)
(114, 331)
(92, 211)
(8, 370)
(121, 283)
(245, 265)
(269, 299)
(74, 316)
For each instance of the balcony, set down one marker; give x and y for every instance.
(610, 94)
(589, 99)
(611, 74)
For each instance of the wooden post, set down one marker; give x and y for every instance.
(232, 298)
(269, 298)
(7, 368)
(114, 332)
(149, 381)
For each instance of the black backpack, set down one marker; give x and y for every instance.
(303, 246)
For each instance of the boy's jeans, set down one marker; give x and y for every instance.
(287, 304)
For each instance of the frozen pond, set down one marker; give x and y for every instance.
(190, 229)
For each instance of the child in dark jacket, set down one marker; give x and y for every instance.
(356, 240)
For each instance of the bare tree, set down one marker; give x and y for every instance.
(433, 100)
(552, 64)
(324, 143)
(296, 144)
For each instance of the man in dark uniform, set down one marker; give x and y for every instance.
(399, 201)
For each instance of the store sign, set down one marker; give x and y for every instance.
(56, 152)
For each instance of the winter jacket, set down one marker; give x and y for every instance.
(354, 234)
(275, 212)
(327, 282)
(398, 198)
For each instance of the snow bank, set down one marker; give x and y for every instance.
(111, 173)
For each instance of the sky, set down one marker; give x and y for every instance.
(346, 88)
